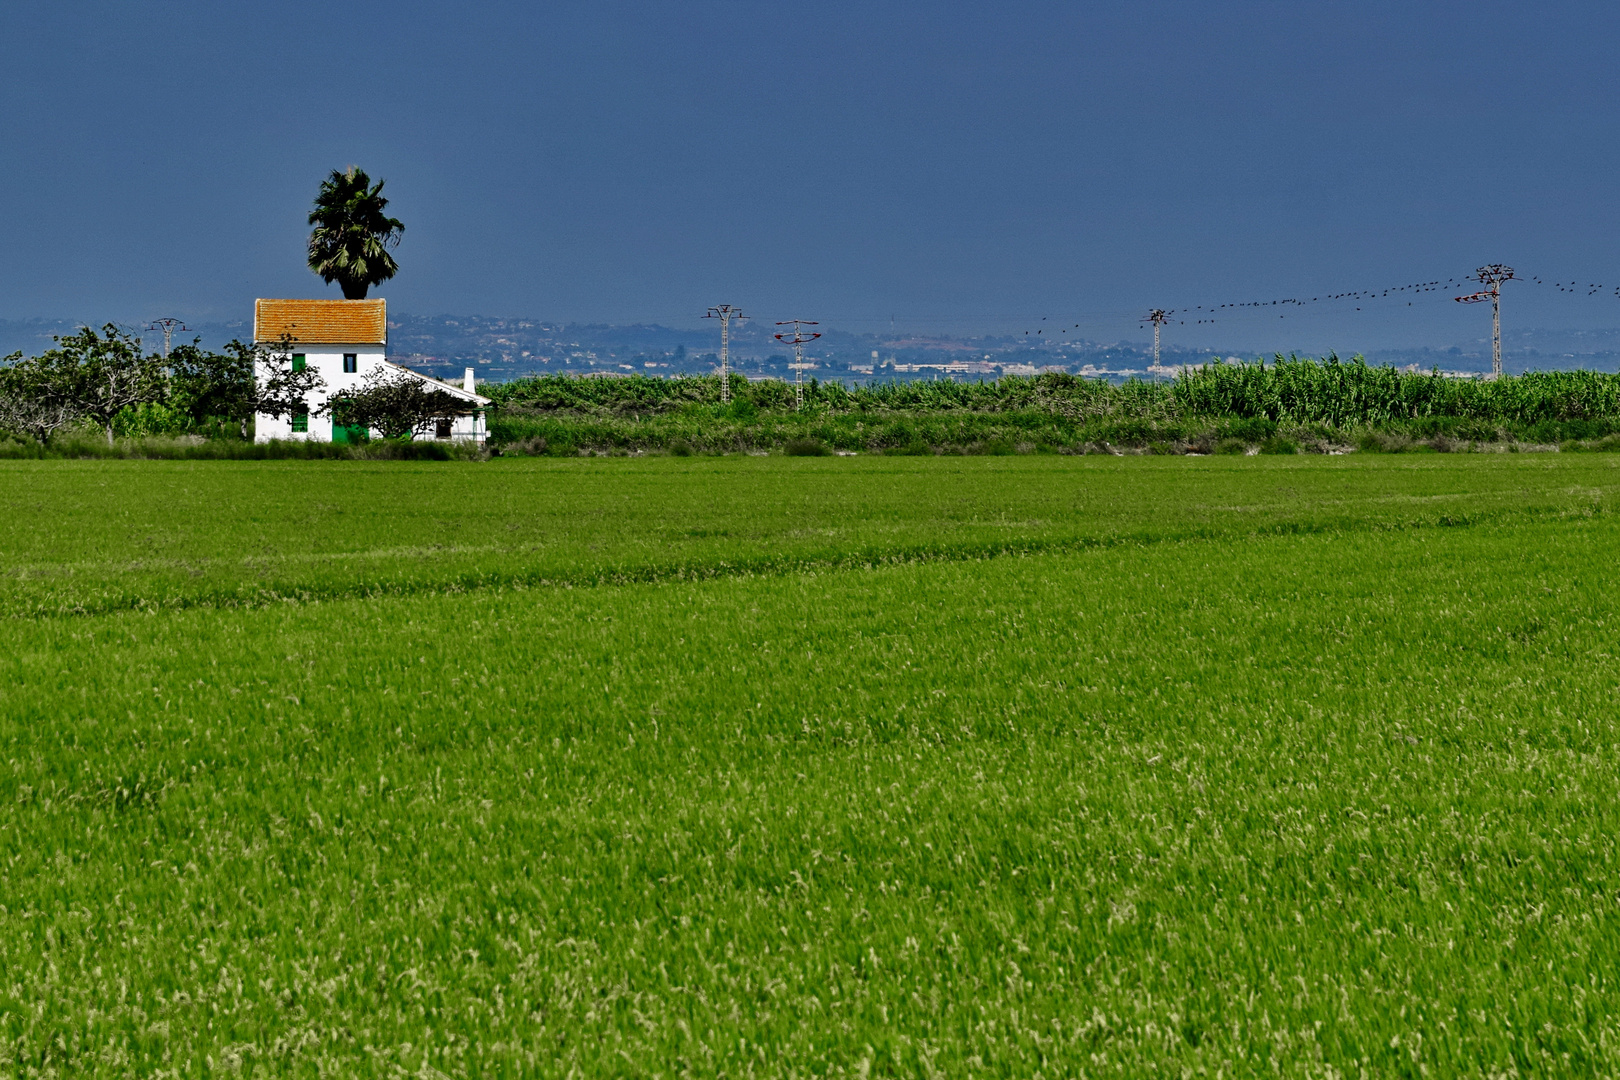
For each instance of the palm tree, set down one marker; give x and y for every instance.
(352, 235)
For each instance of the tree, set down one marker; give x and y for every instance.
(399, 404)
(239, 382)
(28, 404)
(352, 235)
(99, 375)
(204, 384)
(281, 388)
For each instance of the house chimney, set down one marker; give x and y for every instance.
(467, 383)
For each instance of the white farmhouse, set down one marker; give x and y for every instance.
(345, 340)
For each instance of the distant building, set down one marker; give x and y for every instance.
(345, 340)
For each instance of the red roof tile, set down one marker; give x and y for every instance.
(322, 322)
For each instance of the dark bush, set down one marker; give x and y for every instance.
(1252, 430)
(1477, 431)
(806, 447)
(1132, 432)
(1383, 442)
(1607, 444)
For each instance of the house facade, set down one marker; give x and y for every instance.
(345, 341)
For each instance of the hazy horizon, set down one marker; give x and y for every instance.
(516, 345)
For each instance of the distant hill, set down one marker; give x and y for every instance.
(502, 348)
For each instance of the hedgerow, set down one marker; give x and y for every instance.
(1315, 403)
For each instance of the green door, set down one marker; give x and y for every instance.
(349, 433)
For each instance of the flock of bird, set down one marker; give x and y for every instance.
(1576, 287)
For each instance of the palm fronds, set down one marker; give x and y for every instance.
(352, 234)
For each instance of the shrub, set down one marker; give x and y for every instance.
(1477, 431)
(1279, 445)
(1607, 444)
(1547, 431)
(1231, 446)
(401, 450)
(192, 448)
(806, 447)
(1131, 432)
(1201, 442)
(534, 447)
(1379, 442)
(1252, 430)
(680, 448)
(149, 418)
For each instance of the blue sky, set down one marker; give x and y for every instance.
(957, 167)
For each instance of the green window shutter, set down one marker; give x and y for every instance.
(298, 361)
(300, 420)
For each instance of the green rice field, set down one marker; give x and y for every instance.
(765, 766)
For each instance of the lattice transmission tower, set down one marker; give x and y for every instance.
(725, 313)
(798, 339)
(1158, 317)
(1491, 277)
(168, 326)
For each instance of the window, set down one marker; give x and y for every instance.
(298, 361)
(300, 420)
(442, 430)
(351, 363)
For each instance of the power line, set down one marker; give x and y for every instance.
(1207, 313)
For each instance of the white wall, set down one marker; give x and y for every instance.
(328, 361)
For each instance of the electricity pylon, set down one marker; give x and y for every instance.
(1158, 317)
(168, 326)
(725, 313)
(1492, 277)
(798, 339)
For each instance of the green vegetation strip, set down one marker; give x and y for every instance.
(1320, 803)
(201, 406)
(1292, 389)
(1280, 407)
(94, 537)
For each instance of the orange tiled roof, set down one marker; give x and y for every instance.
(322, 322)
